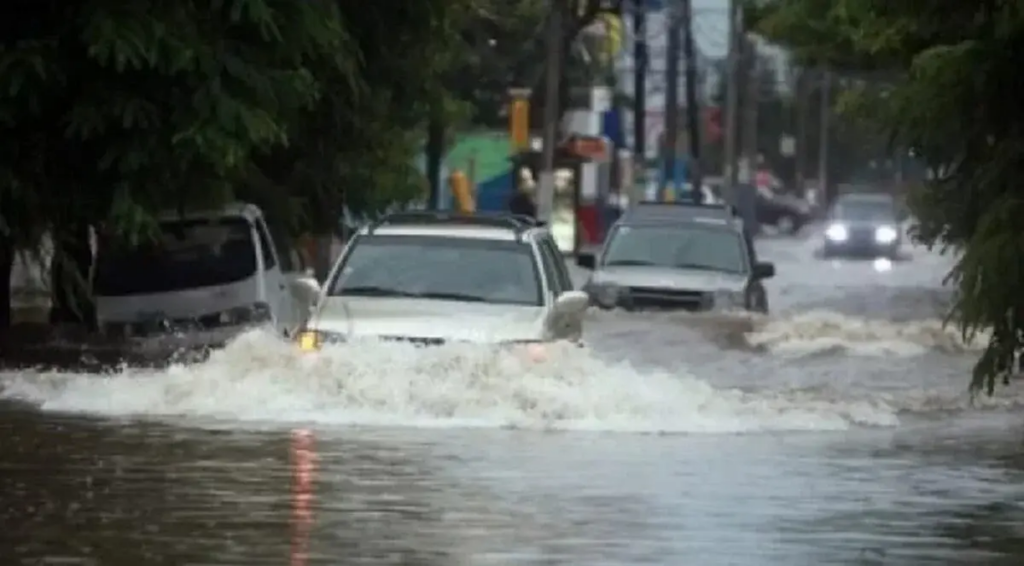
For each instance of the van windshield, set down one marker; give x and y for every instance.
(188, 254)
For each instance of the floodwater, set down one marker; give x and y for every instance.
(835, 431)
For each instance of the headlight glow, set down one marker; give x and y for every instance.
(885, 235)
(837, 233)
(314, 340)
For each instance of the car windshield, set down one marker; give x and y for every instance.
(690, 246)
(187, 254)
(865, 211)
(443, 268)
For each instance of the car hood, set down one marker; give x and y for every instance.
(366, 317)
(669, 278)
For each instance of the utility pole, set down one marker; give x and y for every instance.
(750, 117)
(826, 112)
(671, 102)
(435, 157)
(692, 106)
(732, 104)
(546, 181)
(640, 63)
(800, 141)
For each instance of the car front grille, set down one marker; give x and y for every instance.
(655, 298)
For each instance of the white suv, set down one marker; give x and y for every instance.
(434, 277)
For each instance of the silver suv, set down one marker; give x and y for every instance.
(678, 256)
(435, 277)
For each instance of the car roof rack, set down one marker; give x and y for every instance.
(517, 222)
(657, 211)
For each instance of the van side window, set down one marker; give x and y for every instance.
(266, 245)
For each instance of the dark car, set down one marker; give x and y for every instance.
(787, 213)
(864, 225)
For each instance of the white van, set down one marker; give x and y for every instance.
(209, 275)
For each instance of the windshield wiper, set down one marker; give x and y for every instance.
(450, 297)
(696, 266)
(373, 291)
(630, 262)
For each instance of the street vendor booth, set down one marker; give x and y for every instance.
(583, 170)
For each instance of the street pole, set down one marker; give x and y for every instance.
(800, 149)
(752, 75)
(823, 145)
(546, 182)
(732, 104)
(435, 157)
(692, 105)
(640, 63)
(671, 103)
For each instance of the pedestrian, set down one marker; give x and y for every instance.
(522, 202)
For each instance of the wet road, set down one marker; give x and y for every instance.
(857, 446)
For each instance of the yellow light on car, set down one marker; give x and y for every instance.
(309, 341)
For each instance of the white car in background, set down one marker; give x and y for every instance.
(436, 277)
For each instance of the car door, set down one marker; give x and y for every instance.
(279, 296)
(550, 264)
(561, 273)
(560, 282)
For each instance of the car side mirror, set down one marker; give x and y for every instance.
(571, 303)
(306, 290)
(586, 261)
(764, 270)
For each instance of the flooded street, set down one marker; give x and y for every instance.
(837, 430)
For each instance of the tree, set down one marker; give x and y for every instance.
(952, 95)
(115, 113)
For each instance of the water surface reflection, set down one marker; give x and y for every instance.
(104, 493)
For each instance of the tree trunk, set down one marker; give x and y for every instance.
(323, 256)
(6, 266)
(69, 279)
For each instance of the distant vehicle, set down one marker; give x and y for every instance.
(787, 213)
(209, 275)
(434, 277)
(865, 225)
(677, 256)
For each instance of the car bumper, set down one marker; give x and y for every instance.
(867, 249)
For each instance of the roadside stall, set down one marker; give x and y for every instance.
(582, 182)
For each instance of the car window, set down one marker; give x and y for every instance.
(188, 254)
(686, 246)
(561, 271)
(439, 267)
(266, 245)
(551, 257)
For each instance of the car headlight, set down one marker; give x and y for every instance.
(311, 340)
(837, 233)
(728, 300)
(885, 235)
(606, 295)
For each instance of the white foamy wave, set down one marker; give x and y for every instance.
(262, 380)
(823, 331)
